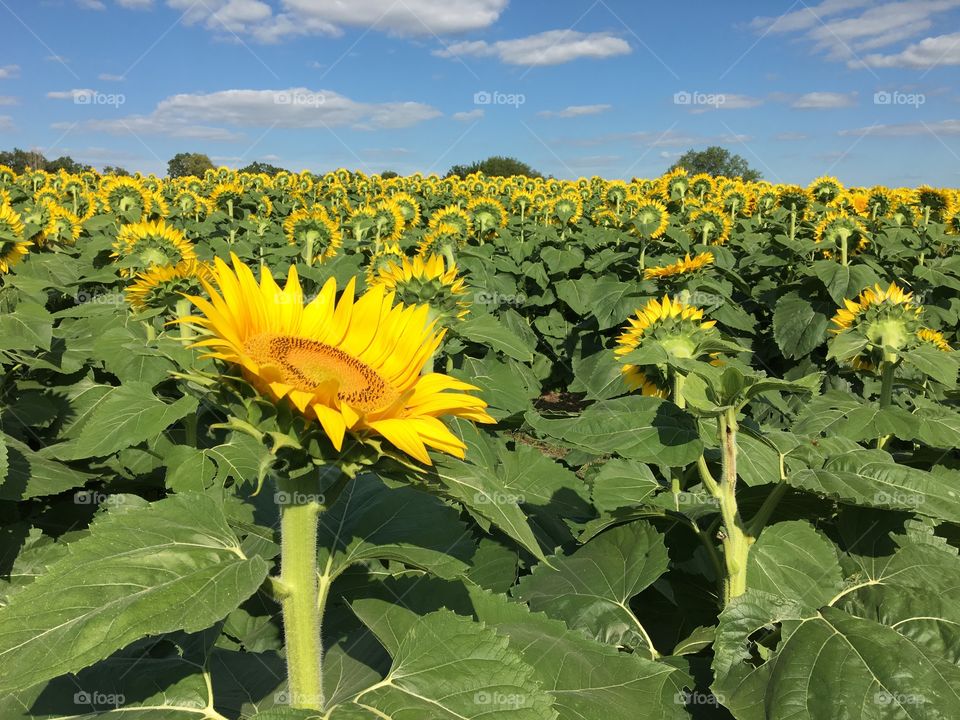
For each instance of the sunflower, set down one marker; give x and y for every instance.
(227, 196)
(487, 213)
(388, 220)
(687, 265)
(187, 203)
(314, 232)
(126, 198)
(162, 286)
(451, 215)
(409, 207)
(843, 233)
(426, 281)
(382, 259)
(140, 246)
(675, 185)
(702, 186)
(934, 338)
(934, 201)
(354, 365)
(886, 322)
(794, 199)
(564, 209)
(7, 175)
(710, 225)
(62, 228)
(12, 245)
(825, 189)
(650, 219)
(676, 327)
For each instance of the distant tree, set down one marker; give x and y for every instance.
(185, 164)
(495, 166)
(114, 170)
(715, 161)
(256, 168)
(66, 163)
(387, 174)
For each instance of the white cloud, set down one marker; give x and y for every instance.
(9, 71)
(468, 116)
(575, 111)
(107, 77)
(929, 52)
(71, 94)
(791, 136)
(824, 101)
(264, 23)
(91, 4)
(721, 101)
(208, 116)
(7, 100)
(6, 124)
(135, 4)
(552, 47)
(942, 127)
(840, 34)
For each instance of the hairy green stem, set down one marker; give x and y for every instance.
(736, 542)
(299, 513)
(888, 372)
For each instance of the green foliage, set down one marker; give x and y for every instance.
(187, 164)
(716, 161)
(495, 166)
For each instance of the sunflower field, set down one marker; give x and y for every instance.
(346, 447)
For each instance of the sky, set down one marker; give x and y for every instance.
(865, 91)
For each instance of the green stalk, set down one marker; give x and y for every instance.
(678, 400)
(793, 225)
(843, 248)
(736, 542)
(300, 594)
(888, 371)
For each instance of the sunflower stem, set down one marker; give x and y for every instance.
(187, 334)
(299, 514)
(736, 542)
(793, 225)
(843, 249)
(888, 371)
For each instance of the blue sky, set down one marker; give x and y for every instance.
(866, 91)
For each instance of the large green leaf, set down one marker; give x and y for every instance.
(28, 474)
(647, 429)
(129, 415)
(871, 478)
(623, 483)
(482, 492)
(793, 560)
(450, 668)
(798, 326)
(592, 588)
(171, 565)
(488, 331)
(370, 521)
(830, 660)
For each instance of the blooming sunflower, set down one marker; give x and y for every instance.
(564, 209)
(126, 198)
(451, 215)
(711, 225)
(841, 232)
(426, 281)
(140, 246)
(62, 228)
(886, 322)
(162, 286)
(677, 327)
(487, 214)
(227, 196)
(825, 189)
(687, 265)
(650, 219)
(12, 245)
(354, 365)
(934, 338)
(314, 232)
